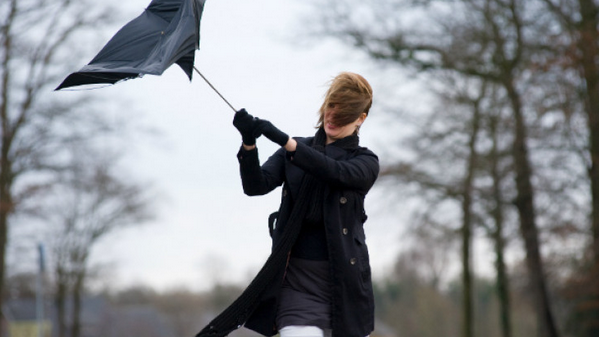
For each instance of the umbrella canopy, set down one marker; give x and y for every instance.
(167, 32)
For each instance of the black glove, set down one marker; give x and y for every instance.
(271, 132)
(246, 124)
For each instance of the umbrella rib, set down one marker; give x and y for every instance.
(213, 88)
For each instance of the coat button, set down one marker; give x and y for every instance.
(284, 193)
(343, 200)
(345, 231)
(353, 260)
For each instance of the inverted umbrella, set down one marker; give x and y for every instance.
(167, 32)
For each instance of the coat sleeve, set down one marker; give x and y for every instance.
(359, 172)
(259, 180)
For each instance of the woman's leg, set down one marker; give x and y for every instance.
(301, 331)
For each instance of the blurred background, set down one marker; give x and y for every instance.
(121, 208)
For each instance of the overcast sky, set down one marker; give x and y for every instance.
(207, 230)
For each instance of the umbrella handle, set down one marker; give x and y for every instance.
(213, 88)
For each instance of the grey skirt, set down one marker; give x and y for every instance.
(306, 294)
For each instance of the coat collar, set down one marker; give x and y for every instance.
(336, 149)
(339, 149)
(349, 142)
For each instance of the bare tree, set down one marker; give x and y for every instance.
(496, 210)
(36, 43)
(579, 20)
(489, 40)
(467, 202)
(88, 204)
(452, 135)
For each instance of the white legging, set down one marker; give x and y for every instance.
(304, 331)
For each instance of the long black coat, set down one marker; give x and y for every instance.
(348, 173)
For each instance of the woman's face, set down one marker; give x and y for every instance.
(336, 132)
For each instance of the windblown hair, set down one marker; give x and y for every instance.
(351, 94)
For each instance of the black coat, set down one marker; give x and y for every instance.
(348, 173)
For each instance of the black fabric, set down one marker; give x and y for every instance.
(167, 32)
(246, 125)
(311, 243)
(272, 132)
(305, 295)
(349, 171)
(237, 313)
(314, 214)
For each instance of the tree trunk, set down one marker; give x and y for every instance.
(528, 228)
(5, 208)
(588, 40)
(468, 319)
(587, 44)
(3, 241)
(60, 299)
(5, 175)
(502, 283)
(468, 308)
(77, 304)
(503, 292)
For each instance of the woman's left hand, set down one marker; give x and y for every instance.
(272, 132)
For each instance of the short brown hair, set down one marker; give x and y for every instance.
(353, 96)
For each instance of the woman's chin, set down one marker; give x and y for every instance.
(331, 133)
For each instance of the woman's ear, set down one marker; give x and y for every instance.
(362, 118)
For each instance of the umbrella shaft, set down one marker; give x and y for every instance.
(213, 88)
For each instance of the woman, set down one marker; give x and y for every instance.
(317, 280)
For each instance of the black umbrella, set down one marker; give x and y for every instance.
(167, 32)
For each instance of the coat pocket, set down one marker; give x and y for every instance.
(364, 259)
(272, 222)
(362, 252)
